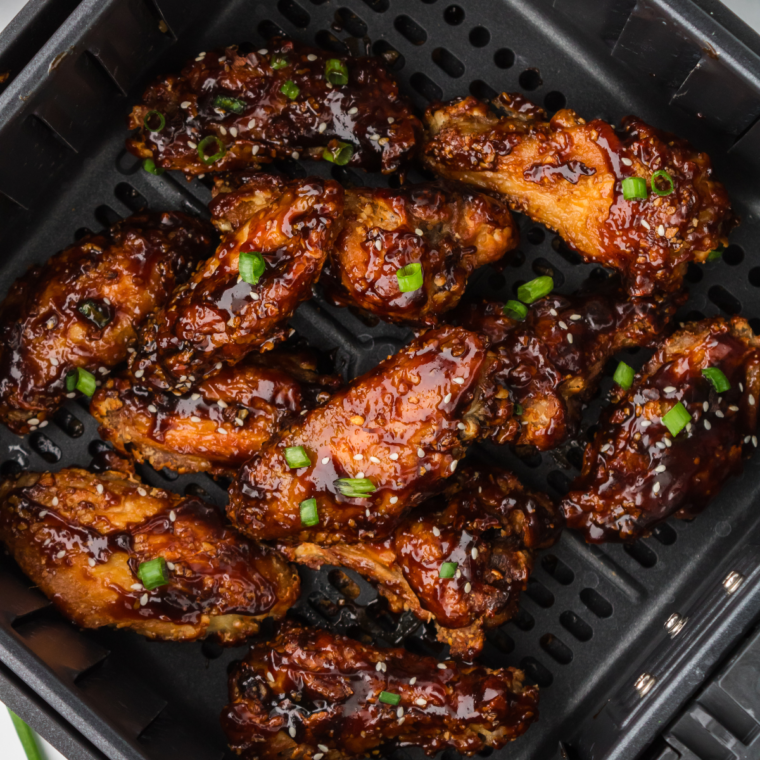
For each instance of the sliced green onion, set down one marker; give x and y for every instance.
(634, 188)
(290, 89)
(717, 378)
(448, 570)
(95, 313)
(81, 380)
(153, 573)
(296, 456)
(336, 71)
(209, 143)
(410, 277)
(624, 375)
(228, 103)
(251, 266)
(161, 121)
(278, 62)
(676, 419)
(150, 166)
(716, 255)
(354, 488)
(515, 310)
(663, 175)
(340, 155)
(309, 513)
(518, 409)
(389, 698)
(535, 289)
(26, 737)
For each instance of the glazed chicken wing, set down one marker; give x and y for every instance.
(568, 174)
(444, 232)
(219, 317)
(482, 537)
(378, 447)
(82, 308)
(671, 441)
(82, 538)
(553, 360)
(367, 701)
(235, 108)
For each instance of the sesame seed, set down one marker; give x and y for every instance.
(367, 513)
(670, 389)
(295, 154)
(99, 488)
(706, 406)
(421, 702)
(322, 748)
(459, 380)
(575, 317)
(201, 57)
(195, 396)
(563, 325)
(91, 562)
(218, 365)
(191, 144)
(741, 387)
(170, 565)
(467, 588)
(357, 457)
(461, 425)
(394, 457)
(251, 125)
(325, 460)
(173, 516)
(34, 422)
(374, 138)
(393, 499)
(733, 408)
(553, 312)
(312, 57)
(353, 110)
(458, 574)
(221, 403)
(413, 681)
(754, 441)
(142, 492)
(391, 120)
(660, 445)
(400, 721)
(420, 453)
(719, 414)
(645, 224)
(139, 373)
(239, 422)
(322, 127)
(54, 361)
(418, 231)
(221, 430)
(751, 399)
(668, 442)
(233, 131)
(447, 398)
(646, 423)
(185, 104)
(441, 666)
(144, 599)
(378, 244)
(374, 460)
(627, 161)
(292, 732)
(61, 554)
(400, 712)
(707, 425)
(436, 531)
(254, 296)
(194, 418)
(270, 677)
(379, 666)
(660, 468)
(263, 51)
(360, 475)
(71, 395)
(656, 488)
(152, 409)
(569, 337)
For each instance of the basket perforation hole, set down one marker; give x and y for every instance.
(68, 423)
(127, 164)
(168, 474)
(576, 625)
(347, 177)
(318, 2)
(694, 273)
(567, 253)
(426, 87)
(322, 605)
(544, 268)
(501, 640)
(131, 198)
(575, 453)
(482, 90)
(535, 235)
(536, 672)
(524, 620)
(377, 611)
(98, 447)
(539, 594)
(294, 13)
(556, 649)
(754, 323)
(453, 15)
(346, 19)
(754, 276)
(516, 258)
(694, 316)
(268, 29)
(290, 167)
(82, 232)
(408, 28)
(329, 42)
(479, 36)
(211, 649)
(504, 58)
(596, 603)
(530, 79)
(530, 458)
(106, 216)
(497, 280)
(641, 553)
(45, 447)
(393, 59)
(343, 584)
(554, 101)
(193, 489)
(664, 534)
(448, 62)
(724, 300)
(558, 481)
(10, 467)
(558, 570)
(733, 255)
(379, 6)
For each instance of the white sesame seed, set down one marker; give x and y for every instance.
(185, 104)
(705, 406)
(353, 111)
(660, 445)
(627, 161)
(233, 131)
(318, 756)
(400, 712)
(670, 389)
(660, 468)
(239, 422)
(656, 488)
(221, 403)
(421, 702)
(379, 666)
(194, 418)
(563, 324)
(142, 492)
(661, 230)
(719, 414)
(668, 442)
(195, 396)
(607, 447)
(201, 57)
(553, 312)
(34, 422)
(467, 588)
(374, 460)
(447, 398)
(436, 531)
(569, 337)
(461, 426)
(359, 475)
(400, 721)
(322, 127)
(292, 732)
(295, 154)
(136, 587)
(459, 380)
(357, 457)
(733, 408)
(311, 57)
(441, 666)
(645, 224)
(458, 574)
(254, 296)
(393, 499)
(221, 430)
(325, 460)
(453, 465)
(394, 457)
(707, 424)
(754, 441)
(139, 373)
(419, 232)
(54, 361)
(367, 513)
(91, 562)
(61, 554)
(374, 138)
(170, 565)
(263, 51)
(413, 681)
(251, 125)
(322, 747)
(646, 423)
(751, 399)
(378, 244)
(741, 387)
(173, 516)
(99, 488)
(575, 317)
(270, 677)
(152, 409)
(474, 552)
(191, 144)
(71, 395)
(144, 599)
(420, 453)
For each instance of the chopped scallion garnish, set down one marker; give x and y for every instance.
(208, 143)
(26, 737)
(354, 488)
(81, 380)
(278, 62)
(309, 513)
(389, 698)
(666, 179)
(290, 89)
(535, 289)
(448, 570)
(150, 166)
(676, 419)
(251, 266)
(410, 277)
(149, 117)
(518, 409)
(153, 573)
(336, 71)
(340, 154)
(228, 103)
(515, 310)
(717, 378)
(624, 375)
(296, 456)
(95, 313)
(715, 255)
(634, 188)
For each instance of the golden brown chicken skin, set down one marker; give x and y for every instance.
(218, 317)
(217, 425)
(82, 308)
(487, 529)
(636, 471)
(82, 538)
(440, 705)
(552, 360)
(447, 231)
(400, 430)
(568, 174)
(236, 108)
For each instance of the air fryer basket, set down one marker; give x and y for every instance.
(596, 629)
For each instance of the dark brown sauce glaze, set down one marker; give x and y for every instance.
(266, 124)
(82, 537)
(571, 172)
(309, 694)
(125, 272)
(635, 473)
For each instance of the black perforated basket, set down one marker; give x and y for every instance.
(619, 638)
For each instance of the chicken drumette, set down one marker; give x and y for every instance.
(235, 108)
(674, 437)
(366, 700)
(82, 308)
(569, 175)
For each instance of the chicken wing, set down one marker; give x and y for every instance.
(219, 424)
(378, 447)
(219, 317)
(569, 174)
(460, 560)
(235, 108)
(552, 361)
(82, 308)
(84, 540)
(671, 441)
(310, 694)
(445, 232)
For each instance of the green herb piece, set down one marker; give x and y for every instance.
(515, 310)
(95, 313)
(389, 698)
(230, 104)
(309, 513)
(209, 143)
(717, 378)
(81, 380)
(336, 71)
(354, 488)
(161, 121)
(635, 188)
(150, 166)
(27, 738)
(715, 255)
(676, 419)
(278, 62)
(339, 155)
(296, 456)
(290, 89)
(667, 179)
(153, 573)
(535, 289)
(448, 570)
(410, 277)
(251, 266)
(624, 375)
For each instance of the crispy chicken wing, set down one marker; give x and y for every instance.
(218, 425)
(637, 472)
(82, 538)
(553, 360)
(310, 694)
(82, 308)
(235, 108)
(218, 317)
(487, 525)
(449, 232)
(568, 174)
(395, 434)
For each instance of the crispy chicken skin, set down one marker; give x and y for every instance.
(82, 308)
(218, 317)
(450, 232)
(467, 708)
(553, 360)
(487, 523)
(81, 538)
(567, 174)
(235, 96)
(218, 426)
(404, 426)
(635, 472)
